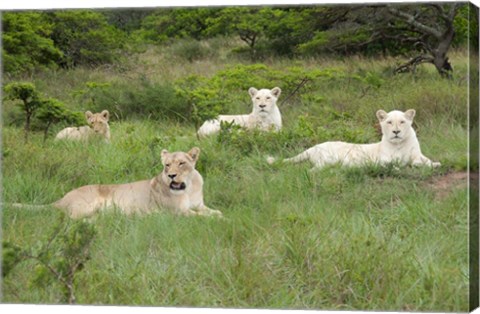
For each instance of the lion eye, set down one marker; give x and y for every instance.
(167, 165)
(389, 122)
(181, 163)
(268, 97)
(402, 122)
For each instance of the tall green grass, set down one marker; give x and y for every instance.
(366, 238)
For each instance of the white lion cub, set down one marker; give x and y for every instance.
(265, 115)
(399, 144)
(98, 126)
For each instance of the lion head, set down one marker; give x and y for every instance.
(396, 125)
(98, 121)
(178, 168)
(264, 100)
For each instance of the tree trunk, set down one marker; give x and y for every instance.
(45, 133)
(27, 125)
(440, 59)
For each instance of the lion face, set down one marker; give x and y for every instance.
(264, 100)
(178, 168)
(396, 125)
(98, 121)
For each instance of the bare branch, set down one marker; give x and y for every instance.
(410, 19)
(413, 63)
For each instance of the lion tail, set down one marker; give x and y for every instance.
(26, 206)
(299, 158)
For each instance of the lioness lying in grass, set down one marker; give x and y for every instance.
(178, 188)
(399, 144)
(98, 126)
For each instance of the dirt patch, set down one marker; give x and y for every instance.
(444, 184)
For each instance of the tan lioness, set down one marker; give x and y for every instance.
(265, 115)
(98, 126)
(399, 144)
(178, 188)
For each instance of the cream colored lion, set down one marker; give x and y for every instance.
(178, 189)
(265, 115)
(399, 144)
(98, 126)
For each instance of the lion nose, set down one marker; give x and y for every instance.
(171, 176)
(263, 106)
(396, 132)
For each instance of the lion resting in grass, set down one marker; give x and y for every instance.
(265, 115)
(399, 144)
(178, 188)
(98, 126)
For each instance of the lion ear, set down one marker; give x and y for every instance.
(410, 113)
(194, 153)
(276, 91)
(164, 155)
(105, 114)
(88, 116)
(252, 91)
(381, 115)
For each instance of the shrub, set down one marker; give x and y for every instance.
(190, 50)
(140, 100)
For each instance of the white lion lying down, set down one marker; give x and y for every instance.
(399, 144)
(265, 115)
(178, 188)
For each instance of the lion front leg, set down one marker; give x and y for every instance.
(424, 161)
(205, 211)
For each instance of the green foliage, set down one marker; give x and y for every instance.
(176, 23)
(85, 38)
(11, 256)
(226, 91)
(26, 44)
(23, 91)
(338, 238)
(89, 94)
(57, 259)
(27, 93)
(63, 255)
(53, 111)
(144, 99)
(191, 50)
(461, 23)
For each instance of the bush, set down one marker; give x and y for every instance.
(145, 100)
(190, 50)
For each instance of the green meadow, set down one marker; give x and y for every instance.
(367, 238)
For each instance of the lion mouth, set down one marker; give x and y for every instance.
(177, 186)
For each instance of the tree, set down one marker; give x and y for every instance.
(434, 34)
(247, 23)
(27, 93)
(166, 24)
(85, 37)
(53, 111)
(26, 42)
